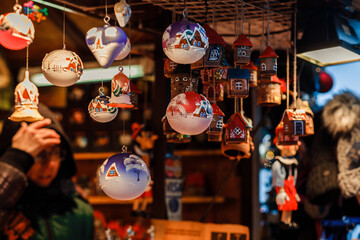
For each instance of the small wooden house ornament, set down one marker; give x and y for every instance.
(268, 62)
(237, 129)
(173, 136)
(171, 66)
(183, 82)
(217, 75)
(269, 93)
(242, 50)
(304, 105)
(284, 139)
(294, 122)
(238, 83)
(208, 92)
(215, 129)
(215, 53)
(253, 74)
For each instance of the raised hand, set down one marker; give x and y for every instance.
(34, 138)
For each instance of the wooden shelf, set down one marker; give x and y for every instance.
(183, 153)
(104, 200)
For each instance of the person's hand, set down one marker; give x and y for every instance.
(34, 138)
(282, 197)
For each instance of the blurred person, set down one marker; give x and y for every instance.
(37, 195)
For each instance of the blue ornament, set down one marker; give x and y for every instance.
(106, 43)
(124, 176)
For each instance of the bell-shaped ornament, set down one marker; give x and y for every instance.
(122, 12)
(26, 102)
(120, 89)
(100, 111)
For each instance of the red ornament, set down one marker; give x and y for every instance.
(325, 82)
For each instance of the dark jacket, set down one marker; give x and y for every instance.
(53, 212)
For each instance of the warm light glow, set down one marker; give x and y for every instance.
(94, 75)
(270, 155)
(330, 56)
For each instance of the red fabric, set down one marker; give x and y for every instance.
(290, 190)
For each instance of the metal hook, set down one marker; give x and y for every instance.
(101, 89)
(120, 68)
(124, 149)
(185, 14)
(106, 19)
(17, 8)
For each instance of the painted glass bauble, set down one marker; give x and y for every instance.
(62, 68)
(106, 43)
(122, 12)
(120, 89)
(99, 111)
(185, 42)
(124, 176)
(189, 113)
(16, 31)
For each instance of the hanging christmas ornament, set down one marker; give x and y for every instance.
(122, 12)
(236, 129)
(208, 91)
(100, 111)
(189, 113)
(238, 82)
(106, 43)
(185, 42)
(268, 62)
(124, 176)
(120, 88)
(214, 54)
(62, 68)
(134, 95)
(269, 92)
(26, 102)
(325, 82)
(253, 74)
(125, 51)
(304, 105)
(294, 122)
(215, 129)
(16, 29)
(242, 50)
(284, 139)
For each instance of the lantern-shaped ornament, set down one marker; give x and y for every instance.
(122, 12)
(231, 147)
(284, 139)
(215, 129)
(236, 129)
(120, 88)
(268, 62)
(269, 93)
(16, 30)
(242, 52)
(185, 42)
(106, 43)
(253, 74)
(238, 83)
(62, 68)
(134, 95)
(304, 105)
(100, 111)
(294, 122)
(26, 102)
(173, 136)
(124, 176)
(208, 91)
(215, 53)
(189, 113)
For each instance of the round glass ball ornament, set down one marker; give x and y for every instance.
(189, 113)
(16, 30)
(125, 51)
(62, 68)
(99, 111)
(124, 176)
(185, 42)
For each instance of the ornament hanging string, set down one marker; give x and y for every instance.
(242, 16)
(64, 45)
(213, 17)
(294, 71)
(129, 53)
(206, 11)
(236, 36)
(268, 23)
(263, 30)
(287, 77)
(106, 18)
